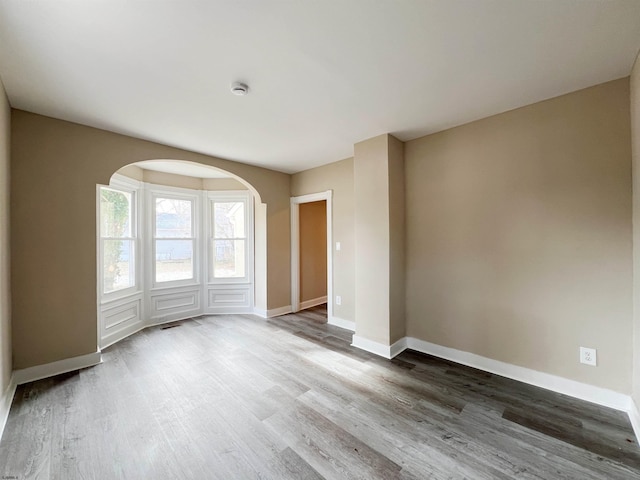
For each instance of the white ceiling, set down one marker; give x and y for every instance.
(323, 74)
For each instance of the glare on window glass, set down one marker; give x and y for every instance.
(118, 268)
(115, 213)
(228, 219)
(174, 257)
(117, 244)
(173, 218)
(229, 258)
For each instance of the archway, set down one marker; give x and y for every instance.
(177, 239)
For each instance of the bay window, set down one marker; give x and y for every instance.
(117, 239)
(173, 238)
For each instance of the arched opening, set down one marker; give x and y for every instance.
(177, 239)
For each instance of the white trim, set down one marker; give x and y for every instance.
(115, 337)
(295, 247)
(590, 393)
(274, 312)
(5, 402)
(313, 302)
(208, 236)
(119, 180)
(312, 197)
(152, 193)
(634, 418)
(39, 372)
(583, 391)
(386, 351)
(342, 323)
(398, 347)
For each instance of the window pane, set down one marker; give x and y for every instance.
(115, 213)
(229, 258)
(174, 260)
(229, 219)
(118, 270)
(173, 218)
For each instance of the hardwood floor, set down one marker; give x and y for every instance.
(237, 397)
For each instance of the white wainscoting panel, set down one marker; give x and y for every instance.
(171, 304)
(173, 301)
(230, 298)
(119, 319)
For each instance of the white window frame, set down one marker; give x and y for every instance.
(154, 192)
(125, 185)
(230, 196)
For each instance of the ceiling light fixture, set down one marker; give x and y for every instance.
(240, 89)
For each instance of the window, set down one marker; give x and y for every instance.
(229, 256)
(173, 239)
(117, 239)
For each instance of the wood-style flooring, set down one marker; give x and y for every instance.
(238, 397)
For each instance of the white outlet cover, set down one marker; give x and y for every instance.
(588, 356)
(338, 246)
(338, 300)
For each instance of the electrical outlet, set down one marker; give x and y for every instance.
(588, 356)
(338, 246)
(338, 300)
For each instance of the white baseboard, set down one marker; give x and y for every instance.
(386, 351)
(39, 372)
(313, 302)
(583, 391)
(342, 323)
(634, 418)
(398, 347)
(5, 403)
(590, 393)
(274, 312)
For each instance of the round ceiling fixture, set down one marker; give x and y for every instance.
(238, 88)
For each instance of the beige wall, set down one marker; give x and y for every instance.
(171, 180)
(218, 184)
(55, 168)
(338, 177)
(132, 171)
(519, 236)
(635, 149)
(371, 224)
(5, 297)
(397, 301)
(313, 250)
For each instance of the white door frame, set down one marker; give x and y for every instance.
(295, 248)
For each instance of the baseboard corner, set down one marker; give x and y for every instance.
(274, 312)
(634, 418)
(342, 323)
(5, 402)
(38, 372)
(380, 349)
(314, 302)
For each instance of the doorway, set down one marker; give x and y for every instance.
(311, 253)
(312, 222)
